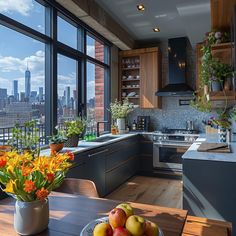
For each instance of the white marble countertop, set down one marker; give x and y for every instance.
(86, 145)
(193, 154)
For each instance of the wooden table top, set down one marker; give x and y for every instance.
(70, 213)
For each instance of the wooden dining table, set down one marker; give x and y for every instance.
(70, 213)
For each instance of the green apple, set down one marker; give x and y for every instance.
(103, 229)
(127, 208)
(151, 229)
(135, 225)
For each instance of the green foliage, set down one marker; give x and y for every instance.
(233, 114)
(120, 109)
(25, 138)
(201, 104)
(223, 119)
(60, 137)
(75, 127)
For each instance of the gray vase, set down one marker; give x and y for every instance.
(216, 86)
(31, 217)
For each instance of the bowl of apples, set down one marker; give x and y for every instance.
(121, 221)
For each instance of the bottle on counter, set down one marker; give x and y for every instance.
(134, 125)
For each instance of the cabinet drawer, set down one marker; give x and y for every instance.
(120, 174)
(146, 163)
(117, 158)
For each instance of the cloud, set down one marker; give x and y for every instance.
(21, 6)
(10, 64)
(90, 89)
(91, 50)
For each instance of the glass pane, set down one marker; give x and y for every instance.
(67, 88)
(67, 33)
(27, 12)
(95, 49)
(95, 94)
(22, 81)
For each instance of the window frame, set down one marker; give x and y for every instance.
(53, 47)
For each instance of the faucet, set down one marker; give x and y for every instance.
(100, 122)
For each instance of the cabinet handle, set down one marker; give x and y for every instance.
(97, 153)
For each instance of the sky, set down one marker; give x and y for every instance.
(17, 50)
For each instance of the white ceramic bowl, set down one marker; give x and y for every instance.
(88, 229)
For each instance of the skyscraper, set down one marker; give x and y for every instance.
(40, 94)
(27, 83)
(15, 90)
(67, 95)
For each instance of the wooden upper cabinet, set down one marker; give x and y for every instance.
(223, 52)
(150, 79)
(141, 77)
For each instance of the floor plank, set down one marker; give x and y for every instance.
(150, 190)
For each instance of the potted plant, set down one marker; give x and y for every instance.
(119, 111)
(25, 138)
(223, 124)
(56, 141)
(74, 130)
(30, 180)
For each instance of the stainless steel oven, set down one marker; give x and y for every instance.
(169, 155)
(169, 147)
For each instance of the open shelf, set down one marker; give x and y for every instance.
(131, 97)
(131, 68)
(221, 95)
(130, 80)
(124, 88)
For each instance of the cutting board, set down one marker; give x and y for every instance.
(214, 147)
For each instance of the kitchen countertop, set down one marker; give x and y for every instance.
(86, 145)
(193, 154)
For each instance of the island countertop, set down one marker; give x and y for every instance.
(192, 152)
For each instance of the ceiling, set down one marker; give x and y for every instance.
(176, 18)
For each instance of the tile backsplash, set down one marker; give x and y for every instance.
(172, 115)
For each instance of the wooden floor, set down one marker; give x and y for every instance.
(150, 190)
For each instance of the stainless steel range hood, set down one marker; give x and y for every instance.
(177, 70)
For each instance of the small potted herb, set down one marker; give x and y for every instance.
(74, 130)
(57, 141)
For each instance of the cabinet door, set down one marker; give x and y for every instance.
(150, 80)
(96, 170)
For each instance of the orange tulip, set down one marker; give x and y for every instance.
(42, 194)
(29, 186)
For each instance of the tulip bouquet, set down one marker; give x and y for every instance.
(28, 179)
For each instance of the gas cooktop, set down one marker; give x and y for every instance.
(176, 131)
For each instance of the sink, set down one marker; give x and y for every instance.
(103, 139)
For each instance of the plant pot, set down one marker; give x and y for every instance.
(216, 86)
(72, 141)
(228, 84)
(31, 217)
(56, 147)
(222, 133)
(121, 124)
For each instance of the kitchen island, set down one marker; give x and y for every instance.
(209, 182)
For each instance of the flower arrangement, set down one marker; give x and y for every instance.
(28, 178)
(120, 109)
(222, 121)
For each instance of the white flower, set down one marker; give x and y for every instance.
(218, 35)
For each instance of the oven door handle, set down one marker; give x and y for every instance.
(172, 145)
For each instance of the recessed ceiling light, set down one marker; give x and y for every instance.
(156, 29)
(140, 7)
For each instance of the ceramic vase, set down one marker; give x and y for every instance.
(31, 217)
(56, 147)
(216, 86)
(121, 124)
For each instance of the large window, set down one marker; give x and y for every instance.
(27, 12)
(67, 88)
(49, 73)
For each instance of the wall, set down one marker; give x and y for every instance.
(172, 115)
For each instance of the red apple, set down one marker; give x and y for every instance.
(102, 229)
(117, 217)
(127, 208)
(151, 229)
(121, 231)
(135, 225)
